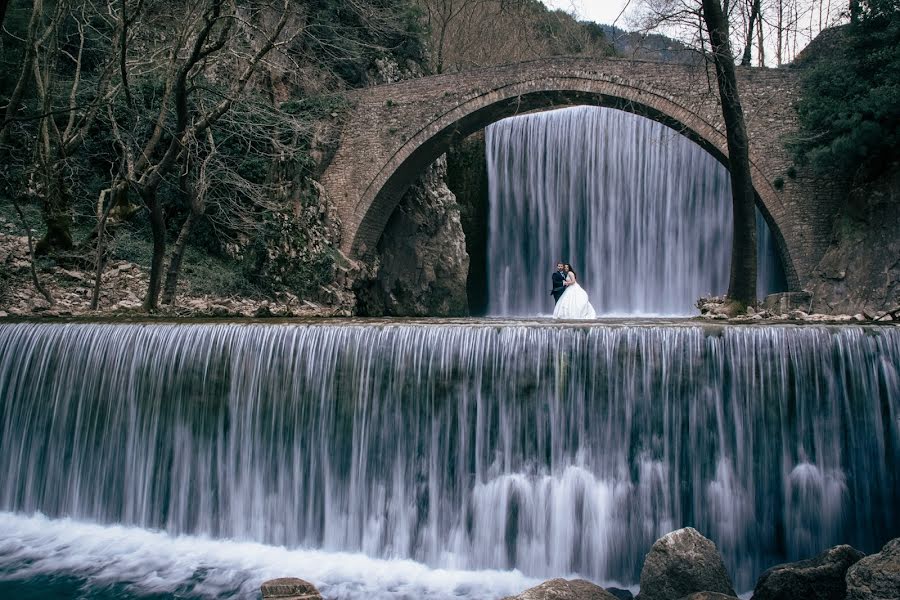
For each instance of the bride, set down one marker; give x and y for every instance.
(574, 303)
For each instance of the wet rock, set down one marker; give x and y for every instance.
(877, 576)
(680, 563)
(290, 588)
(708, 596)
(563, 589)
(821, 577)
(620, 593)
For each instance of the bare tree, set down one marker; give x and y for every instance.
(205, 34)
(63, 129)
(705, 24)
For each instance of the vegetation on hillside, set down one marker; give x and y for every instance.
(850, 108)
(466, 34)
(142, 127)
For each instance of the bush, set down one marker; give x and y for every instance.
(850, 106)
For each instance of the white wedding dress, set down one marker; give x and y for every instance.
(574, 303)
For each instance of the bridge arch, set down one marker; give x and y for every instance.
(411, 139)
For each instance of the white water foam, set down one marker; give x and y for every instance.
(150, 562)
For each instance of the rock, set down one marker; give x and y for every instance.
(421, 264)
(877, 576)
(821, 577)
(562, 589)
(787, 301)
(859, 270)
(620, 593)
(3, 314)
(708, 596)
(798, 315)
(681, 563)
(859, 317)
(263, 311)
(290, 588)
(217, 310)
(40, 305)
(76, 275)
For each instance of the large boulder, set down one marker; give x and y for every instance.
(420, 265)
(681, 563)
(876, 577)
(708, 596)
(563, 589)
(620, 593)
(289, 588)
(819, 578)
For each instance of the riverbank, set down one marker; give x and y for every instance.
(125, 283)
(122, 291)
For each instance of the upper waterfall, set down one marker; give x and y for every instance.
(642, 213)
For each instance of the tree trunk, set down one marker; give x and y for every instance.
(742, 283)
(174, 270)
(57, 213)
(751, 31)
(158, 227)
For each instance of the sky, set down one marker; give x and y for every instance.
(601, 11)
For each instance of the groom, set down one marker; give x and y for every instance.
(558, 278)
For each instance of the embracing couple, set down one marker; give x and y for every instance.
(571, 299)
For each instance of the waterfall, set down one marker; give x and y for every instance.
(642, 213)
(549, 449)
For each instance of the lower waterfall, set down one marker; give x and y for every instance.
(641, 212)
(548, 449)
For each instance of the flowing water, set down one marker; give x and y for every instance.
(642, 213)
(429, 459)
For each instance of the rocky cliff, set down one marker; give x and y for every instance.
(467, 178)
(421, 265)
(860, 271)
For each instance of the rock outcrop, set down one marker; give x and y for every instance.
(289, 588)
(681, 563)
(708, 596)
(564, 589)
(818, 578)
(467, 178)
(877, 576)
(421, 264)
(860, 271)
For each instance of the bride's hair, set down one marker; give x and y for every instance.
(571, 270)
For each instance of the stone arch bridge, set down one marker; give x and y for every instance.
(394, 131)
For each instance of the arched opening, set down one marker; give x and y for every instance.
(414, 157)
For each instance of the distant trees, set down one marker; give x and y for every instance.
(466, 34)
(767, 32)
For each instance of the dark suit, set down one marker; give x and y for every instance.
(558, 287)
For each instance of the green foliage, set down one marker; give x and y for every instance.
(850, 107)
